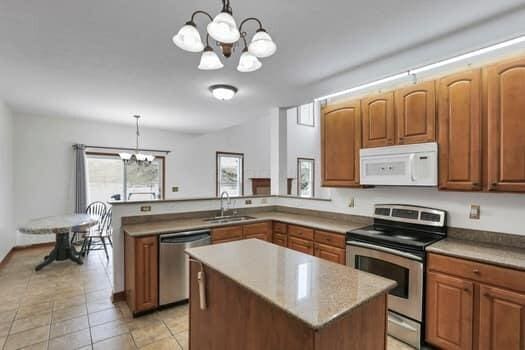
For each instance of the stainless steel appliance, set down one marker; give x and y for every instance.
(405, 165)
(394, 247)
(174, 264)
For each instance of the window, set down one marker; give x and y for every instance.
(305, 177)
(109, 179)
(305, 115)
(230, 174)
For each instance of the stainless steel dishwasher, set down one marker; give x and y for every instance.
(174, 264)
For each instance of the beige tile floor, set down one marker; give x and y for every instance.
(67, 306)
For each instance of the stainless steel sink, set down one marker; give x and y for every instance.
(226, 219)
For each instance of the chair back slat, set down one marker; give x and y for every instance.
(105, 224)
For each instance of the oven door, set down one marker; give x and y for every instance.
(404, 268)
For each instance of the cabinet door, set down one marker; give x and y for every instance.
(416, 113)
(449, 310)
(378, 120)
(226, 234)
(340, 144)
(459, 135)
(330, 253)
(146, 273)
(301, 245)
(502, 319)
(506, 125)
(280, 239)
(262, 230)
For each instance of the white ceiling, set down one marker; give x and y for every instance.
(108, 60)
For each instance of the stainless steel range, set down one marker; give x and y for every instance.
(394, 247)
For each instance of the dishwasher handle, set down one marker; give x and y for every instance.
(185, 239)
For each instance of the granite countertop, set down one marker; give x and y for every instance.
(313, 290)
(160, 227)
(483, 252)
(58, 224)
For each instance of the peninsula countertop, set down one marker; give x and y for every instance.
(308, 288)
(178, 225)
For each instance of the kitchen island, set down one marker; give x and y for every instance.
(257, 295)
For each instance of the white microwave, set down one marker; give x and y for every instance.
(405, 165)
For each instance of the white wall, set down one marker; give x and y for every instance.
(44, 161)
(251, 138)
(304, 142)
(7, 231)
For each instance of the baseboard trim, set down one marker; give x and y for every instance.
(119, 296)
(18, 248)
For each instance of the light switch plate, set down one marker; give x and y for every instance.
(175, 189)
(145, 208)
(475, 211)
(248, 201)
(351, 202)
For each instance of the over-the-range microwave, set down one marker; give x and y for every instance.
(405, 165)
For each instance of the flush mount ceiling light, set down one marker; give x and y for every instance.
(223, 29)
(137, 157)
(223, 92)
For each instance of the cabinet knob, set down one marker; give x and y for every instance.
(476, 271)
(475, 184)
(466, 289)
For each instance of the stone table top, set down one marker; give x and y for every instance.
(311, 289)
(58, 224)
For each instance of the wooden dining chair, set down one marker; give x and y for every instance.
(95, 238)
(95, 209)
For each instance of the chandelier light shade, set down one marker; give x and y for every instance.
(137, 157)
(227, 35)
(262, 45)
(210, 60)
(223, 92)
(248, 63)
(224, 29)
(189, 39)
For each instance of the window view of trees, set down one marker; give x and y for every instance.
(230, 174)
(305, 176)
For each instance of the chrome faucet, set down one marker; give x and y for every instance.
(227, 196)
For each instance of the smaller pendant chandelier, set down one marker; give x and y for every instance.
(223, 29)
(137, 157)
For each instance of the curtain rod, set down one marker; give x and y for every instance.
(128, 149)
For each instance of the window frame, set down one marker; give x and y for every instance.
(221, 153)
(312, 160)
(116, 155)
(299, 122)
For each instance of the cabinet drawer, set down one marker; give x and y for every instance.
(330, 238)
(476, 271)
(279, 227)
(302, 232)
(279, 236)
(279, 240)
(226, 233)
(261, 236)
(301, 245)
(256, 229)
(330, 253)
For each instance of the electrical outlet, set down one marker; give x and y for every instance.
(175, 189)
(145, 208)
(264, 200)
(351, 203)
(474, 212)
(248, 201)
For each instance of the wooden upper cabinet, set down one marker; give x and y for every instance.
(459, 135)
(506, 126)
(378, 120)
(450, 304)
(502, 319)
(340, 144)
(416, 113)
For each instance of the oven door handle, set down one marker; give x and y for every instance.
(384, 249)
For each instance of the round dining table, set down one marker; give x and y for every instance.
(61, 226)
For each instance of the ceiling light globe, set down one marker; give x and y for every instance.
(189, 39)
(224, 29)
(248, 63)
(210, 60)
(223, 92)
(262, 45)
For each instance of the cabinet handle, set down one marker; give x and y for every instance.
(476, 271)
(466, 289)
(475, 184)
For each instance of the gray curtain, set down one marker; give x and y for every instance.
(80, 179)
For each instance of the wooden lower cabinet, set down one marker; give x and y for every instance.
(226, 234)
(301, 245)
(502, 319)
(262, 231)
(280, 239)
(472, 305)
(330, 253)
(141, 272)
(450, 305)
